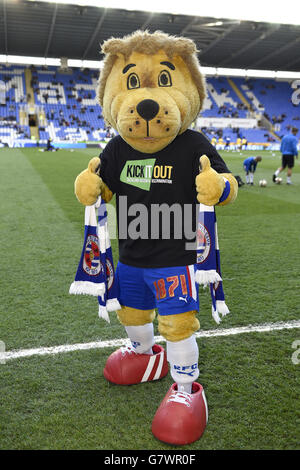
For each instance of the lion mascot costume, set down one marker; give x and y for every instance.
(151, 90)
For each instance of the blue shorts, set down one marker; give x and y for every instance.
(170, 290)
(249, 168)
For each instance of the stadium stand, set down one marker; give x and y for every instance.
(225, 102)
(273, 98)
(41, 103)
(13, 96)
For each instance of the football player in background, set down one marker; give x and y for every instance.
(213, 141)
(250, 166)
(289, 150)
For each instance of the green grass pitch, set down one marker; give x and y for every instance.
(63, 401)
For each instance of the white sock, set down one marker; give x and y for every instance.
(251, 177)
(247, 179)
(141, 337)
(277, 172)
(183, 358)
(288, 179)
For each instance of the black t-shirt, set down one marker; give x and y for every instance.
(156, 198)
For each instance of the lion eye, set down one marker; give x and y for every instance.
(133, 81)
(164, 78)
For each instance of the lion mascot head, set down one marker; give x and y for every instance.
(150, 88)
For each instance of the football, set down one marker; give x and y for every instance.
(278, 180)
(263, 183)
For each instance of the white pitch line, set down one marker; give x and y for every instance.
(261, 328)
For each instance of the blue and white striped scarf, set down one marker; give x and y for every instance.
(208, 266)
(95, 273)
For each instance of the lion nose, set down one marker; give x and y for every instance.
(147, 109)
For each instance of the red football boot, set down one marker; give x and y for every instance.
(126, 367)
(181, 417)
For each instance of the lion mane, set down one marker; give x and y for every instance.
(150, 43)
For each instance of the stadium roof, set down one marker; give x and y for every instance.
(42, 29)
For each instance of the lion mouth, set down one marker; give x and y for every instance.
(149, 131)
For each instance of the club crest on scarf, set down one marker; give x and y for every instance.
(203, 243)
(110, 274)
(91, 259)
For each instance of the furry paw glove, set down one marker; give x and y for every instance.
(88, 185)
(209, 184)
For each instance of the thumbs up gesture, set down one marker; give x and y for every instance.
(209, 183)
(88, 184)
